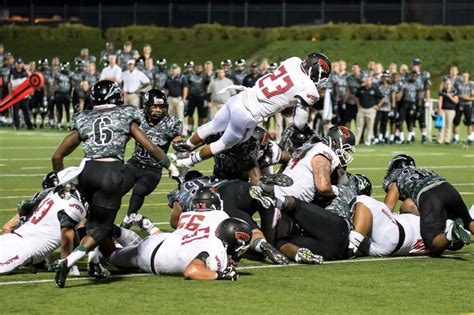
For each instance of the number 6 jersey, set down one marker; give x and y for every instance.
(105, 130)
(276, 90)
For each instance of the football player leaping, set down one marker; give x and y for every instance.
(295, 83)
(204, 247)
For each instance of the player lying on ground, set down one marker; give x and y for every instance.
(379, 232)
(237, 198)
(104, 131)
(436, 200)
(51, 224)
(143, 172)
(205, 246)
(295, 83)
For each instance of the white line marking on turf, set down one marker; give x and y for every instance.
(34, 167)
(132, 275)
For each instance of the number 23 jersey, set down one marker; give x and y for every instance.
(105, 130)
(195, 234)
(276, 90)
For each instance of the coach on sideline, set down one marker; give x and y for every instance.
(133, 81)
(112, 72)
(176, 88)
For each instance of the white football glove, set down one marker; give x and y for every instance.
(322, 84)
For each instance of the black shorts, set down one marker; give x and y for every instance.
(348, 114)
(467, 110)
(196, 101)
(101, 183)
(37, 99)
(420, 116)
(142, 178)
(436, 205)
(238, 203)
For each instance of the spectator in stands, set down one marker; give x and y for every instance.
(252, 77)
(125, 55)
(16, 77)
(216, 85)
(112, 72)
(447, 102)
(84, 56)
(146, 52)
(176, 88)
(133, 82)
(368, 99)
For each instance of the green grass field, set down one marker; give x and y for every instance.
(362, 285)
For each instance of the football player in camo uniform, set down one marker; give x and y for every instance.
(425, 84)
(411, 96)
(436, 200)
(78, 76)
(104, 132)
(160, 75)
(62, 93)
(237, 198)
(240, 72)
(143, 171)
(466, 97)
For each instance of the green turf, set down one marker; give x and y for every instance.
(422, 285)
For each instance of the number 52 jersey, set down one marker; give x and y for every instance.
(276, 90)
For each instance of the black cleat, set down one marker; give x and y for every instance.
(273, 254)
(62, 270)
(262, 197)
(97, 271)
(277, 180)
(305, 256)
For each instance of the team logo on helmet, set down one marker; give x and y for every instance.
(242, 236)
(324, 65)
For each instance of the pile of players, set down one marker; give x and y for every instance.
(312, 210)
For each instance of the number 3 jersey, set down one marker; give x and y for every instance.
(161, 134)
(105, 130)
(273, 92)
(411, 182)
(195, 234)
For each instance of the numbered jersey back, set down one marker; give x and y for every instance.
(276, 90)
(44, 221)
(105, 131)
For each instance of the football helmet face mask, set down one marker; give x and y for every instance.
(155, 105)
(207, 199)
(295, 137)
(106, 92)
(79, 65)
(400, 161)
(317, 66)
(235, 234)
(261, 135)
(50, 180)
(342, 141)
(64, 67)
(364, 186)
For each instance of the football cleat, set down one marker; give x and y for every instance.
(262, 198)
(460, 233)
(74, 271)
(62, 270)
(305, 256)
(127, 221)
(144, 224)
(97, 271)
(276, 180)
(273, 254)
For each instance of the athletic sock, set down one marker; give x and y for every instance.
(392, 137)
(471, 136)
(456, 137)
(448, 231)
(189, 143)
(93, 256)
(355, 238)
(77, 253)
(402, 136)
(257, 244)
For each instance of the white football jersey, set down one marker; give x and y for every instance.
(384, 237)
(43, 227)
(195, 234)
(276, 90)
(301, 171)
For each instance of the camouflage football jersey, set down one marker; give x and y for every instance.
(234, 163)
(105, 132)
(184, 195)
(411, 90)
(411, 181)
(63, 82)
(77, 77)
(159, 79)
(343, 204)
(465, 89)
(161, 134)
(386, 91)
(353, 83)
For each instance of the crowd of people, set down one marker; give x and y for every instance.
(313, 209)
(386, 105)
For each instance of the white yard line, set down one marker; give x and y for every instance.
(357, 260)
(34, 167)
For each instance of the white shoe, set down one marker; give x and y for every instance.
(74, 271)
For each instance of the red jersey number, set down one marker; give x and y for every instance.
(41, 211)
(282, 82)
(192, 223)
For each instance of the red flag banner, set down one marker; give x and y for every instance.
(35, 81)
